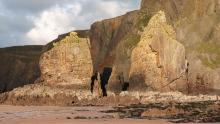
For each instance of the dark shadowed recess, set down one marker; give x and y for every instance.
(19, 66)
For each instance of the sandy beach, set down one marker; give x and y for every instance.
(64, 115)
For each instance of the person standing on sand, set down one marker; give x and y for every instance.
(125, 85)
(104, 79)
(93, 78)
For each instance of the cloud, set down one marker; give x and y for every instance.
(25, 22)
(29, 6)
(53, 22)
(113, 8)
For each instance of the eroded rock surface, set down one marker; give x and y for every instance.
(136, 21)
(67, 61)
(158, 60)
(196, 23)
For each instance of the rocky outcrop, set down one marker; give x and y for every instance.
(64, 61)
(164, 45)
(106, 35)
(158, 60)
(67, 60)
(112, 41)
(19, 66)
(41, 94)
(196, 23)
(103, 38)
(180, 9)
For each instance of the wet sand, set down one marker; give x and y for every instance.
(64, 115)
(64, 121)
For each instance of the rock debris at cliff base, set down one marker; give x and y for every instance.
(47, 95)
(173, 106)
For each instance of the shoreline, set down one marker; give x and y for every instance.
(158, 113)
(63, 115)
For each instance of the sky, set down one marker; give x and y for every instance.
(37, 22)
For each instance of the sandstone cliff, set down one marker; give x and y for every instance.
(67, 60)
(19, 66)
(112, 41)
(158, 60)
(196, 23)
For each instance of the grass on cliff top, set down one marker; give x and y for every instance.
(23, 50)
(212, 49)
(143, 20)
(139, 21)
(24, 53)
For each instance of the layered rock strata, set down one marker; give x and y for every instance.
(67, 61)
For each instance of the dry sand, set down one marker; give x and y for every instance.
(64, 115)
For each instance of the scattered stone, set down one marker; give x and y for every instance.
(80, 117)
(68, 118)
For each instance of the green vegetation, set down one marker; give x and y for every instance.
(73, 35)
(143, 20)
(23, 50)
(211, 49)
(140, 20)
(132, 40)
(137, 23)
(211, 63)
(24, 53)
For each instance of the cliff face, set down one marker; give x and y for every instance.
(112, 40)
(67, 60)
(19, 67)
(149, 48)
(104, 37)
(196, 23)
(64, 61)
(180, 9)
(158, 60)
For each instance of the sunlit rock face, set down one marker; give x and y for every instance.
(192, 24)
(133, 24)
(158, 60)
(66, 61)
(196, 23)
